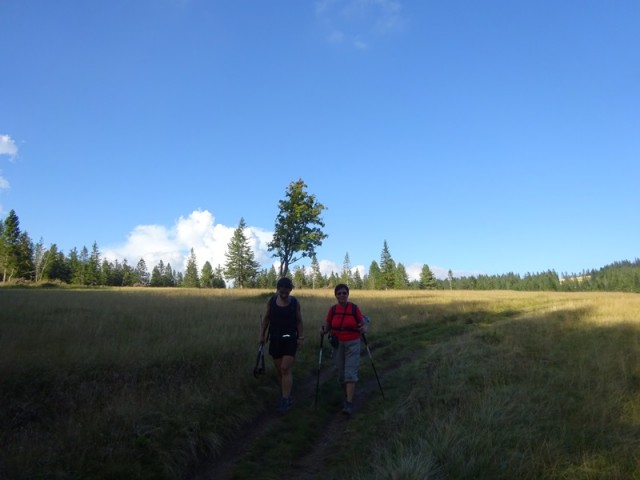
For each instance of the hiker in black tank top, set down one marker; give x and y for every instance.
(283, 320)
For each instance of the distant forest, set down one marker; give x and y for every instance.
(24, 262)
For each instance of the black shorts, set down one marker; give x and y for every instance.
(279, 346)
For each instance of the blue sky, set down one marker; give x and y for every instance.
(482, 137)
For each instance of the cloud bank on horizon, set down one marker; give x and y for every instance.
(209, 241)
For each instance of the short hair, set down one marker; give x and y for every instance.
(285, 282)
(341, 286)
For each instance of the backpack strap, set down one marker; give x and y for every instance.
(354, 309)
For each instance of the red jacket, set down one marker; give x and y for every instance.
(343, 324)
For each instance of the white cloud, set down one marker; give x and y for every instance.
(173, 245)
(8, 146)
(414, 270)
(209, 242)
(357, 21)
(327, 266)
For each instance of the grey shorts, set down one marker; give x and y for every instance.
(348, 361)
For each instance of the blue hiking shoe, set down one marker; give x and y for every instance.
(347, 409)
(285, 405)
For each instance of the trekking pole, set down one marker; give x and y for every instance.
(319, 365)
(364, 337)
(259, 368)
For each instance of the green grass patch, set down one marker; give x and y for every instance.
(141, 383)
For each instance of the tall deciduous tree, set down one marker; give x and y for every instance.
(241, 265)
(298, 230)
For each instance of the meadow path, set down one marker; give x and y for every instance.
(311, 465)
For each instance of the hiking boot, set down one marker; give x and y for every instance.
(285, 405)
(347, 409)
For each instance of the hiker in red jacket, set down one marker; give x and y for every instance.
(345, 323)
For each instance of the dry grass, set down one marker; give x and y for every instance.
(549, 391)
(139, 383)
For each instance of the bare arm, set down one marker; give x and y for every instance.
(299, 322)
(264, 324)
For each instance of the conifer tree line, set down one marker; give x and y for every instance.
(298, 232)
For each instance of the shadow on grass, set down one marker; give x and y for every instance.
(540, 385)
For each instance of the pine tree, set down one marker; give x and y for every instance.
(241, 265)
(206, 275)
(156, 277)
(427, 278)
(387, 268)
(357, 283)
(169, 277)
(401, 279)
(191, 279)
(24, 252)
(218, 278)
(9, 246)
(346, 270)
(142, 273)
(374, 279)
(300, 277)
(316, 276)
(56, 268)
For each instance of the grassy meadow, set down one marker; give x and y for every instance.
(145, 383)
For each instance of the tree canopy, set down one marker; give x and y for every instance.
(298, 228)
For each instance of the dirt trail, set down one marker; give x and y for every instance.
(310, 466)
(221, 467)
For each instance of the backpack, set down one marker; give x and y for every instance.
(354, 309)
(333, 340)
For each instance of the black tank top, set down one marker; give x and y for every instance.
(283, 320)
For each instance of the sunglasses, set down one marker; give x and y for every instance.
(342, 293)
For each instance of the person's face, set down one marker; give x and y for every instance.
(284, 292)
(342, 295)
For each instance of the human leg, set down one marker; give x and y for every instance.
(351, 366)
(286, 375)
